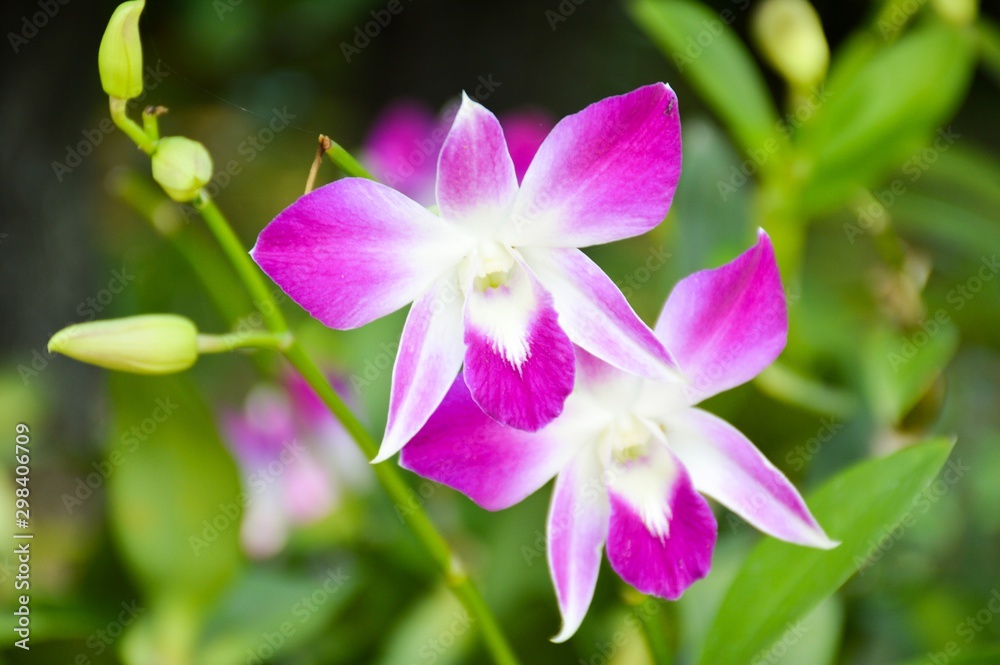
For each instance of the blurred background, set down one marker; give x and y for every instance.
(868, 148)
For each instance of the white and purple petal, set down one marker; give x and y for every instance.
(726, 466)
(727, 324)
(662, 531)
(354, 250)
(494, 465)
(519, 363)
(595, 314)
(525, 131)
(430, 354)
(605, 173)
(476, 182)
(576, 531)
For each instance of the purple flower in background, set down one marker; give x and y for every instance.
(496, 281)
(405, 140)
(631, 455)
(294, 458)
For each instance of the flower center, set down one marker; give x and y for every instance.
(628, 439)
(490, 264)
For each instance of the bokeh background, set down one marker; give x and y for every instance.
(880, 231)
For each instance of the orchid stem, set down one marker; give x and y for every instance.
(250, 340)
(388, 476)
(345, 161)
(247, 270)
(119, 115)
(417, 519)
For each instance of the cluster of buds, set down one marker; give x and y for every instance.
(181, 166)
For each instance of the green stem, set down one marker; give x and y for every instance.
(417, 519)
(249, 340)
(388, 476)
(119, 115)
(243, 264)
(346, 162)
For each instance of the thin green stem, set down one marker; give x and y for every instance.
(417, 519)
(248, 340)
(242, 263)
(119, 115)
(346, 162)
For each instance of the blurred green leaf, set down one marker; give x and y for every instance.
(781, 583)
(900, 368)
(173, 490)
(707, 51)
(436, 630)
(981, 656)
(988, 34)
(267, 612)
(883, 115)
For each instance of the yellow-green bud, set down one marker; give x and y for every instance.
(147, 344)
(182, 167)
(120, 56)
(790, 36)
(958, 12)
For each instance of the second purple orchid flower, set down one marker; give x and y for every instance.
(497, 281)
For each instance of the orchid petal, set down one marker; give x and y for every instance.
(476, 183)
(429, 357)
(725, 465)
(605, 173)
(494, 465)
(595, 314)
(727, 324)
(662, 532)
(354, 250)
(577, 529)
(519, 364)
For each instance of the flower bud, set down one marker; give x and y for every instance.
(182, 167)
(790, 36)
(148, 344)
(120, 56)
(958, 12)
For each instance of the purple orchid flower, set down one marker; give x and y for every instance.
(403, 145)
(496, 281)
(631, 455)
(294, 459)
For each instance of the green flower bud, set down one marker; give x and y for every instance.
(120, 56)
(182, 167)
(148, 344)
(790, 36)
(958, 12)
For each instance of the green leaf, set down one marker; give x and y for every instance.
(705, 48)
(781, 583)
(271, 612)
(173, 490)
(436, 630)
(900, 368)
(981, 656)
(884, 115)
